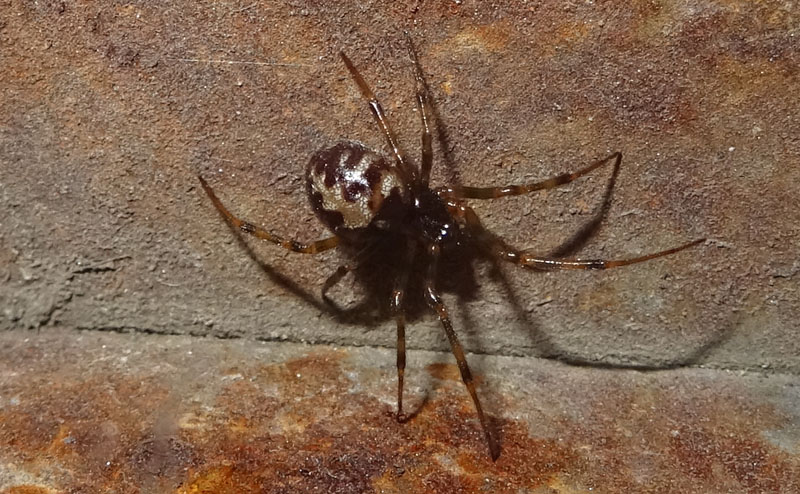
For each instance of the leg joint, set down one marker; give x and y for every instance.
(432, 298)
(396, 302)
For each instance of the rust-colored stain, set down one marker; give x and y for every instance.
(317, 436)
(286, 427)
(444, 371)
(108, 420)
(27, 489)
(487, 38)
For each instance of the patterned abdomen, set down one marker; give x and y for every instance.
(348, 184)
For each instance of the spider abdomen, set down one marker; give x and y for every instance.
(348, 185)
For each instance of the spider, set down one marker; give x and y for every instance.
(361, 195)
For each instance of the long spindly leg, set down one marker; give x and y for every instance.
(247, 227)
(423, 105)
(501, 249)
(380, 118)
(435, 301)
(398, 296)
(400, 319)
(331, 281)
(529, 260)
(515, 190)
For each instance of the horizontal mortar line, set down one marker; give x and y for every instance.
(123, 329)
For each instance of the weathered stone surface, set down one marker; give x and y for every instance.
(109, 109)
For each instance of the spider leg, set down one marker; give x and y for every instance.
(436, 303)
(396, 303)
(380, 117)
(400, 319)
(501, 249)
(515, 190)
(331, 281)
(533, 261)
(423, 104)
(247, 227)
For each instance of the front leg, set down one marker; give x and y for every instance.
(256, 231)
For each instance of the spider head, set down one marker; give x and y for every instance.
(432, 221)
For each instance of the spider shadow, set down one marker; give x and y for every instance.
(408, 417)
(472, 253)
(691, 359)
(578, 240)
(380, 266)
(569, 247)
(572, 244)
(375, 272)
(358, 314)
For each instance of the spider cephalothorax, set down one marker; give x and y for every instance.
(363, 196)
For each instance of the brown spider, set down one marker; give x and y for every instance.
(361, 195)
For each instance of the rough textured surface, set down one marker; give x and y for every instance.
(96, 412)
(108, 111)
